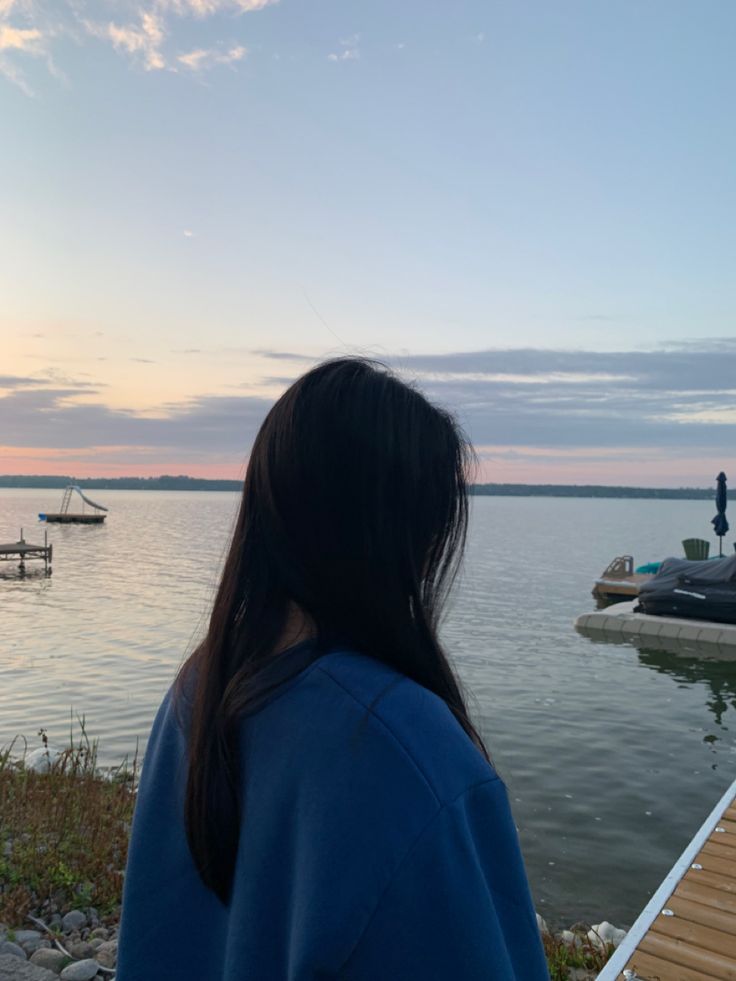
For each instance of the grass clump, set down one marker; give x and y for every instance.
(562, 956)
(64, 833)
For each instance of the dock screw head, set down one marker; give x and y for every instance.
(667, 912)
(696, 865)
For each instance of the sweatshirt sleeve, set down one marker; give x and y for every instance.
(458, 906)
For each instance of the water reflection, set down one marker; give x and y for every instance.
(712, 668)
(690, 664)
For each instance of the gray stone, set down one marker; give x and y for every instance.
(81, 950)
(29, 940)
(51, 959)
(74, 920)
(8, 947)
(12, 969)
(80, 970)
(100, 932)
(107, 953)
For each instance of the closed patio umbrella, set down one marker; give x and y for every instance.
(720, 525)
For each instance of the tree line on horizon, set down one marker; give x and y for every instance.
(182, 482)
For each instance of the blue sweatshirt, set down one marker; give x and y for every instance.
(377, 844)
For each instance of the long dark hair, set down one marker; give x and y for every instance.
(355, 510)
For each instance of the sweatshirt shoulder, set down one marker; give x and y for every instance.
(421, 725)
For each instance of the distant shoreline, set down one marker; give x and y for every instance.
(180, 482)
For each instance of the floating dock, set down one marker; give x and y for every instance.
(66, 517)
(21, 552)
(619, 622)
(73, 519)
(687, 931)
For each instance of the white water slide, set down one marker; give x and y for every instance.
(68, 496)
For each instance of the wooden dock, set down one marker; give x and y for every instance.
(618, 580)
(21, 552)
(687, 931)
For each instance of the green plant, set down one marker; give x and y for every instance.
(562, 956)
(61, 876)
(84, 893)
(69, 830)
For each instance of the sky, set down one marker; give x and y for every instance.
(526, 208)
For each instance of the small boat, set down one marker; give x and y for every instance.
(65, 516)
(619, 581)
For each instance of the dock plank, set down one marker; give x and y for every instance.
(717, 850)
(655, 969)
(678, 953)
(700, 892)
(701, 914)
(708, 877)
(687, 931)
(696, 935)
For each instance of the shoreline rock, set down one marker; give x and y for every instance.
(70, 948)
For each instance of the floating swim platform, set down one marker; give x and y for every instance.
(66, 517)
(73, 519)
(619, 622)
(687, 930)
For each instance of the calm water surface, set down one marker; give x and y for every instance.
(613, 755)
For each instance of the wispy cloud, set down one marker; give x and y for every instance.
(142, 40)
(145, 31)
(203, 58)
(145, 39)
(349, 50)
(20, 39)
(17, 41)
(205, 8)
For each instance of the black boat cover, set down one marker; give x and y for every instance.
(699, 590)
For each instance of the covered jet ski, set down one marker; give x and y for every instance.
(696, 590)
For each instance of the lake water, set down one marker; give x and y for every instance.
(613, 756)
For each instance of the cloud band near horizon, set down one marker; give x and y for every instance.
(649, 416)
